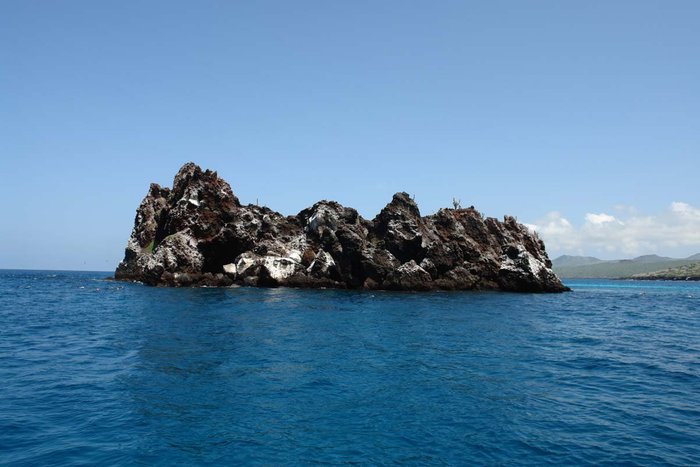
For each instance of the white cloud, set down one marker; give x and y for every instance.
(685, 210)
(556, 231)
(602, 218)
(675, 229)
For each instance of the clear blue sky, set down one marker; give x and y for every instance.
(517, 107)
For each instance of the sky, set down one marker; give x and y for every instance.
(582, 119)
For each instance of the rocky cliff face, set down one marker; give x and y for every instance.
(198, 233)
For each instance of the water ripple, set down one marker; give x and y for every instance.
(98, 372)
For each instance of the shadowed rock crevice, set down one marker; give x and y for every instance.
(199, 234)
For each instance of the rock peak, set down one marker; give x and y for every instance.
(400, 206)
(198, 233)
(403, 200)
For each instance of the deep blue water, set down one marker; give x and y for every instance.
(99, 372)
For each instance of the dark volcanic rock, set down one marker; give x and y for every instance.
(199, 234)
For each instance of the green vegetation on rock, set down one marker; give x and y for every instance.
(149, 248)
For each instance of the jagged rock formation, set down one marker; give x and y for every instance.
(198, 233)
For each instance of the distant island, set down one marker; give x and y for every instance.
(646, 267)
(688, 272)
(199, 234)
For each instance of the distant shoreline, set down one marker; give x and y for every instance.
(109, 273)
(645, 279)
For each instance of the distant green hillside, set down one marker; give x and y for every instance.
(686, 272)
(565, 261)
(652, 259)
(619, 268)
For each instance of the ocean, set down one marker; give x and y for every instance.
(96, 372)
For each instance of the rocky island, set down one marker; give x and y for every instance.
(686, 272)
(199, 234)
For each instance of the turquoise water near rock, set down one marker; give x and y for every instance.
(100, 372)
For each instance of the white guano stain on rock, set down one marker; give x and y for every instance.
(278, 268)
